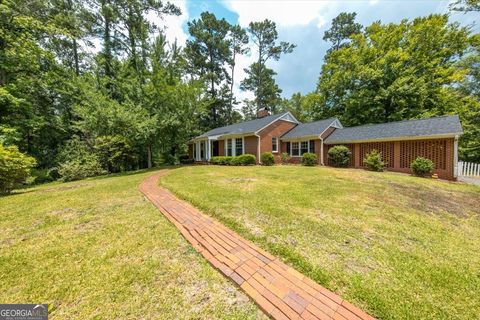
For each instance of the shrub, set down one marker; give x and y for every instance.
(422, 167)
(14, 168)
(185, 159)
(373, 161)
(220, 160)
(80, 168)
(172, 160)
(309, 159)
(115, 153)
(245, 160)
(339, 156)
(267, 159)
(40, 176)
(285, 157)
(241, 160)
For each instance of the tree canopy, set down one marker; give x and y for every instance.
(95, 85)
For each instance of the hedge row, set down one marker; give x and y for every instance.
(242, 160)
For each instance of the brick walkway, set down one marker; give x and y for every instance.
(281, 292)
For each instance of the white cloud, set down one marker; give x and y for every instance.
(285, 13)
(373, 2)
(174, 24)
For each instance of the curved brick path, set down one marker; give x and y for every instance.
(281, 292)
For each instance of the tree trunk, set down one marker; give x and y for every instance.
(149, 156)
(107, 44)
(75, 57)
(74, 43)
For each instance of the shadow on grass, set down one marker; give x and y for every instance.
(58, 184)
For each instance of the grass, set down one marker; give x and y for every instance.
(97, 249)
(399, 247)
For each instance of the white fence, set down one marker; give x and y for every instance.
(468, 169)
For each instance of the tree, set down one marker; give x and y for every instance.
(343, 27)
(398, 71)
(238, 39)
(208, 53)
(465, 5)
(14, 168)
(260, 79)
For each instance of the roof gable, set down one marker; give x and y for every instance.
(437, 126)
(312, 128)
(251, 126)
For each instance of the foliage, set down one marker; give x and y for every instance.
(465, 5)
(422, 167)
(14, 168)
(209, 52)
(343, 27)
(241, 160)
(374, 161)
(413, 69)
(77, 160)
(245, 160)
(260, 78)
(285, 157)
(40, 176)
(309, 159)
(339, 156)
(221, 160)
(267, 159)
(78, 169)
(114, 153)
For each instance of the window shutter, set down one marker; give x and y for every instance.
(312, 146)
(288, 147)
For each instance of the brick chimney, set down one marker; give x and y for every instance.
(262, 113)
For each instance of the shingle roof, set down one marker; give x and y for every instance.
(243, 127)
(446, 125)
(309, 129)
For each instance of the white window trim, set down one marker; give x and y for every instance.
(234, 145)
(277, 140)
(299, 147)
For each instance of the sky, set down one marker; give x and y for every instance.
(302, 22)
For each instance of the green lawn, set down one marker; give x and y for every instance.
(398, 246)
(97, 249)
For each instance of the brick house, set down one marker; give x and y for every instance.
(399, 142)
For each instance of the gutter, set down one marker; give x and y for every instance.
(390, 139)
(455, 157)
(321, 151)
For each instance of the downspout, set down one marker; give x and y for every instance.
(258, 148)
(321, 151)
(455, 157)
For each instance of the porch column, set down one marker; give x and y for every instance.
(208, 149)
(197, 151)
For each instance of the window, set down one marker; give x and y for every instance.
(202, 150)
(304, 147)
(298, 148)
(295, 150)
(238, 146)
(274, 144)
(229, 147)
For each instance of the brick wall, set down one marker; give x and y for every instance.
(400, 154)
(251, 146)
(276, 129)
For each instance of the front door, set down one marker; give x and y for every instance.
(215, 149)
